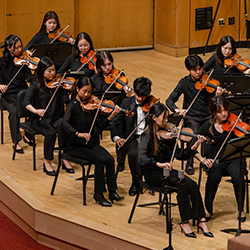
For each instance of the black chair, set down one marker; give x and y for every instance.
(2, 118)
(205, 149)
(64, 154)
(26, 125)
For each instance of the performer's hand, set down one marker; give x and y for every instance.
(219, 91)
(165, 165)
(40, 112)
(128, 91)
(201, 139)
(120, 142)
(3, 88)
(181, 112)
(85, 136)
(208, 162)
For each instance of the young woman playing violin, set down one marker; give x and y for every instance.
(155, 154)
(82, 47)
(104, 68)
(198, 113)
(50, 24)
(219, 110)
(225, 50)
(13, 48)
(45, 121)
(77, 122)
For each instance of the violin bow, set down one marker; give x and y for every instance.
(86, 61)
(190, 105)
(52, 97)
(227, 137)
(100, 104)
(60, 33)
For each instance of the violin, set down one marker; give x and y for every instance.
(236, 61)
(60, 34)
(31, 62)
(240, 129)
(149, 101)
(186, 134)
(66, 83)
(120, 82)
(210, 86)
(107, 106)
(90, 59)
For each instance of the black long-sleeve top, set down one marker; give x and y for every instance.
(8, 70)
(164, 152)
(40, 100)
(72, 65)
(186, 86)
(216, 136)
(78, 120)
(211, 64)
(38, 38)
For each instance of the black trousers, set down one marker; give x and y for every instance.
(9, 103)
(130, 148)
(100, 157)
(49, 131)
(214, 178)
(189, 193)
(194, 123)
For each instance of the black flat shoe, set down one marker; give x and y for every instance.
(191, 235)
(242, 219)
(207, 234)
(99, 198)
(19, 151)
(30, 143)
(133, 190)
(50, 173)
(68, 170)
(113, 196)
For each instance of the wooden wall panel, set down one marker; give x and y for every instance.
(2, 21)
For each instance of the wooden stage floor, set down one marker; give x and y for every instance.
(62, 222)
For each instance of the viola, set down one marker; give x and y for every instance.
(120, 82)
(186, 134)
(236, 61)
(31, 62)
(90, 59)
(107, 106)
(60, 34)
(210, 86)
(66, 83)
(240, 129)
(149, 101)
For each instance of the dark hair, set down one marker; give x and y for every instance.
(142, 86)
(156, 110)
(192, 61)
(9, 41)
(102, 56)
(43, 64)
(47, 16)
(80, 36)
(79, 83)
(219, 57)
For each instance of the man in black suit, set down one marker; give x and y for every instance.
(142, 88)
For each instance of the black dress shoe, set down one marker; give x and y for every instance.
(99, 198)
(133, 190)
(189, 169)
(50, 173)
(113, 196)
(30, 143)
(68, 170)
(19, 151)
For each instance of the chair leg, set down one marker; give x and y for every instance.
(34, 153)
(87, 175)
(14, 151)
(247, 193)
(56, 177)
(134, 206)
(84, 183)
(1, 126)
(199, 179)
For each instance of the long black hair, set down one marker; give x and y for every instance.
(43, 64)
(9, 41)
(156, 110)
(47, 16)
(219, 57)
(80, 36)
(79, 83)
